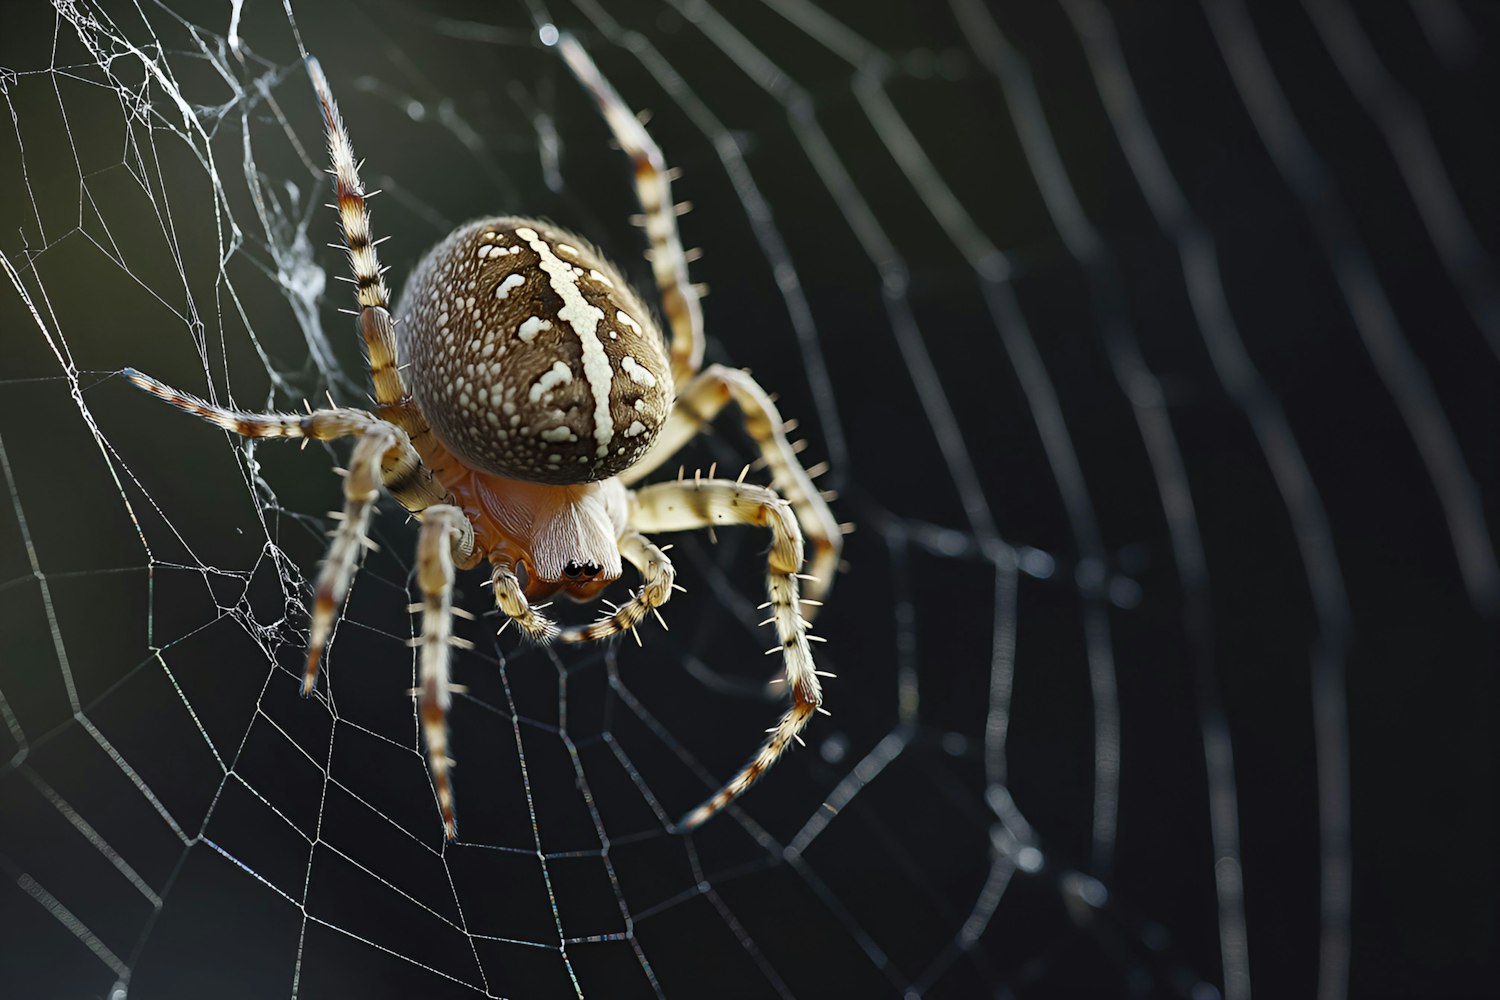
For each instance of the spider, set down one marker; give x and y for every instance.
(521, 389)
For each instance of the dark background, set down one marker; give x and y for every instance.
(1254, 567)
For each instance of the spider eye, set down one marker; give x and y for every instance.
(572, 569)
(591, 568)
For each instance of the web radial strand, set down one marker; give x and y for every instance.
(1169, 465)
(968, 248)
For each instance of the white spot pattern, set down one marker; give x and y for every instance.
(584, 319)
(511, 283)
(531, 326)
(638, 373)
(558, 374)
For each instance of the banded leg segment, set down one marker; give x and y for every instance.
(510, 598)
(361, 489)
(683, 506)
(374, 297)
(698, 404)
(657, 579)
(402, 471)
(653, 186)
(446, 533)
(376, 326)
(384, 456)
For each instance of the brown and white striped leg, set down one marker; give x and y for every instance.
(657, 580)
(402, 472)
(511, 600)
(384, 456)
(683, 506)
(361, 489)
(375, 324)
(445, 533)
(653, 186)
(698, 404)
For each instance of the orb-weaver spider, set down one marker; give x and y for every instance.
(528, 388)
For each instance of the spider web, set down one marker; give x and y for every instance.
(1151, 349)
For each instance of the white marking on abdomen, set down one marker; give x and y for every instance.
(511, 283)
(531, 326)
(637, 372)
(584, 319)
(558, 374)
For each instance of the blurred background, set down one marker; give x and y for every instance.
(1154, 351)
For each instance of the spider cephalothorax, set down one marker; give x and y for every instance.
(530, 387)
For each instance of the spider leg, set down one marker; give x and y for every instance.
(361, 489)
(653, 185)
(376, 326)
(384, 457)
(511, 600)
(374, 297)
(698, 404)
(682, 506)
(445, 532)
(657, 577)
(403, 473)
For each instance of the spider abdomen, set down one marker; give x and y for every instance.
(530, 356)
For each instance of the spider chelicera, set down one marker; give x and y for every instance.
(521, 389)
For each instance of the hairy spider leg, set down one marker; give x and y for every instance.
(384, 456)
(444, 531)
(376, 326)
(510, 598)
(687, 505)
(657, 580)
(698, 404)
(403, 474)
(653, 186)
(663, 507)
(361, 489)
